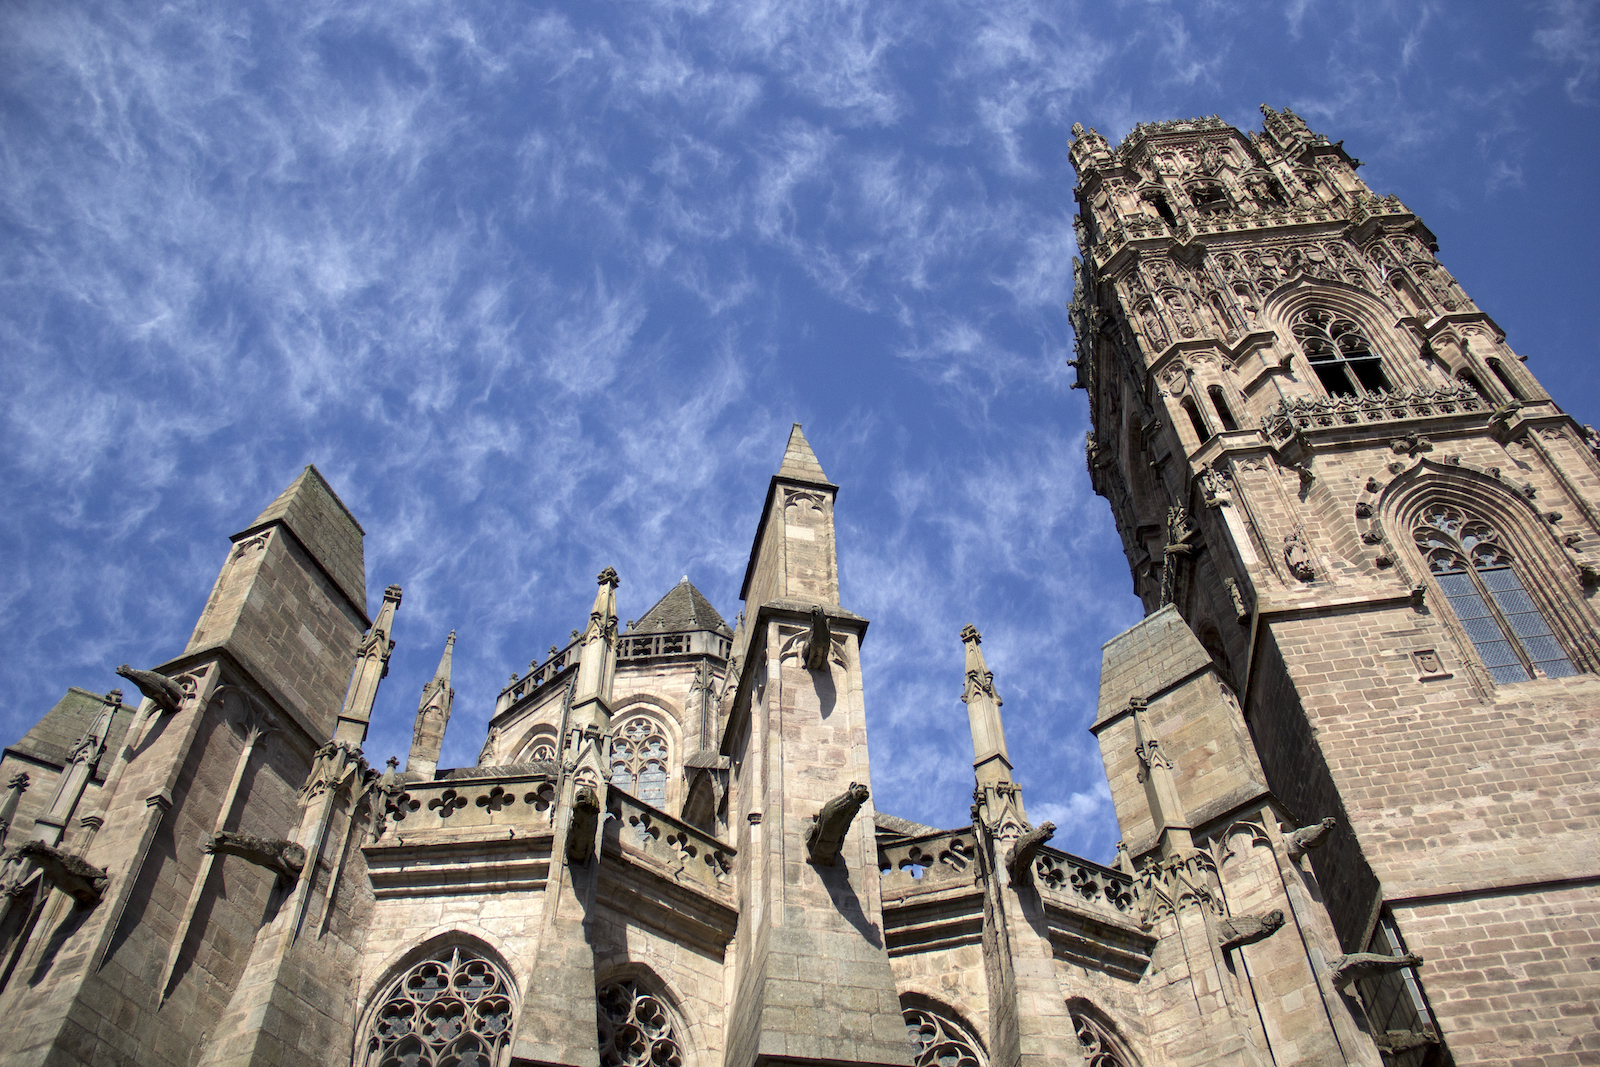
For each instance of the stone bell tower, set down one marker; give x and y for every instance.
(1326, 461)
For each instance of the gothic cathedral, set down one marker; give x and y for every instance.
(1352, 746)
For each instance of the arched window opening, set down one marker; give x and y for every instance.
(1210, 199)
(1199, 425)
(1164, 209)
(1472, 380)
(1477, 575)
(1501, 373)
(541, 747)
(1099, 1047)
(937, 1041)
(1220, 402)
(454, 1010)
(639, 760)
(1340, 354)
(636, 1029)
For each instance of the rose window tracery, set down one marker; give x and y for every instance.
(454, 1010)
(639, 758)
(1476, 572)
(938, 1042)
(636, 1030)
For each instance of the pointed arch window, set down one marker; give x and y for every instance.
(454, 1009)
(1099, 1047)
(636, 1029)
(938, 1041)
(1340, 354)
(640, 755)
(1478, 575)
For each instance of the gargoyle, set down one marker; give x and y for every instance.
(829, 825)
(820, 642)
(1020, 856)
(1248, 929)
(1308, 837)
(1395, 1042)
(68, 873)
(285, 858)
(1359, 966)
(580, 831)
(162, 691)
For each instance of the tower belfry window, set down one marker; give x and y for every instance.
(1340, 354)
(1479, 579)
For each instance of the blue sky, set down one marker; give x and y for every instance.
(540, 289)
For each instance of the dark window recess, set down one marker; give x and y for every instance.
(1210, 199)
(1200, 430)
(1220, 402)
(1163, 208)
(1472, 380)
(1505, 379)
(1396, 1005)
(1340, 354)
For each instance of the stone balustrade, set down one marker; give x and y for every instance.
(947, 857)
(689, 854)
(1086, 883)
(681, 643)
(510, 802)
(1318, 412)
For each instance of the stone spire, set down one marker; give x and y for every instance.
(82, 760)
(800, 464)
(372, 666)
(433, 714)
(996, 795)
(597, 659)
(990, 761)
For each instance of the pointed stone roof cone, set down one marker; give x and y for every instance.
(441, 677)
(799, 462)
(325, 527)
(683, 608)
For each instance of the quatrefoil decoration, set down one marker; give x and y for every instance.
(447, 803)
(496, 799)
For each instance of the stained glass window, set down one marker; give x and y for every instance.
(454, 1010)
(639, 760)
(1476, 572)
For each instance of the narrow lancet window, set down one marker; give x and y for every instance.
(1220, 402)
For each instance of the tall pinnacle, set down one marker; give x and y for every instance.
(433, 715)
(372, 666)
(799, 462)
(597, 658)
(990, 761)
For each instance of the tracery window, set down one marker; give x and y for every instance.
(639, 759)
(939, 1042)
(1476, 572)
(1340, 354)
(636, 1029)
(454, 1010)
(1099, 1048)
(541, 746)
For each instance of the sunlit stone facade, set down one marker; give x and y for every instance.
(1351, 746)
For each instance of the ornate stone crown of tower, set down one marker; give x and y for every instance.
(1325, 459)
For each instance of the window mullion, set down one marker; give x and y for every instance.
(1501, 621)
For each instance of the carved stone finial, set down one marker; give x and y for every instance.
(580, 831)
(609, 577)
(820, 641)
(284, 858)
(829, 826)
(1359, 966)
(68, 873)
(19, 782)
(970, 635)
(393, 593)
(1020, 856)
(162, 691)
(1247, 929)
(1308, 837)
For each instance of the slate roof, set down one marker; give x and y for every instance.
(683, 608)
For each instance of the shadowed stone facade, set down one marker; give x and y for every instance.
(1351, 746)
